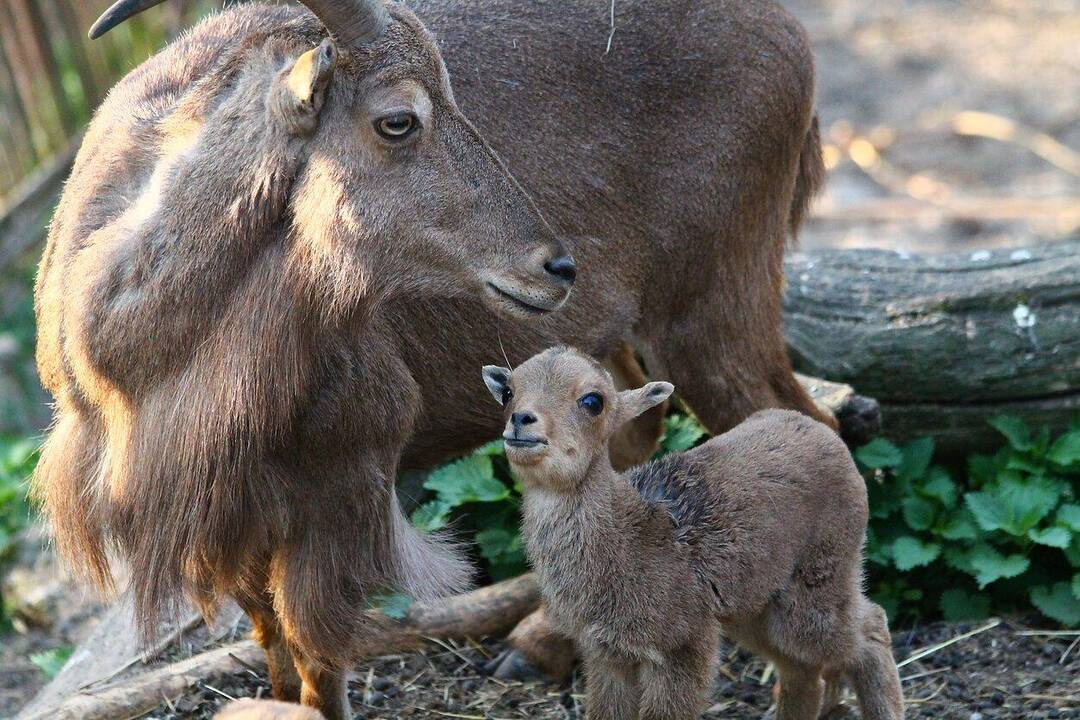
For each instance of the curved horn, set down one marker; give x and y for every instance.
(350, 22)
(117, 13)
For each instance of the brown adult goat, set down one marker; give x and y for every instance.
(272, 264)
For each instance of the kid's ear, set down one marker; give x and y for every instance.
(634, 402)
(497, 380)
(301, 89)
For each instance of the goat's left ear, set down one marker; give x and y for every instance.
(301, 88)
(634, 402)
(497, 380)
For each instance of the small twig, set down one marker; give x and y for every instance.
(766, 673)
(457, 653)
(612, 33)
(931, 696)
(1052, 698)
(1068, 650)
(940, 646)
(916, 676)
(456, 715)
(1047, 633)
(247, 666)
(168, 702)
(213, 689)
(412, 682)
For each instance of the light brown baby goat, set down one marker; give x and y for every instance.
(759, 530)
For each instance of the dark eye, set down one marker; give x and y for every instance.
(396, 127)
(507, 394)
(592, 403)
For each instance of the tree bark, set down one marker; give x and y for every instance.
(943, 342)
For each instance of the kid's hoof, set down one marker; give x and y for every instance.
(860, 420)
(513, 665)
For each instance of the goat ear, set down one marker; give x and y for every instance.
(302, 87)
(634, 402)
(497, 380)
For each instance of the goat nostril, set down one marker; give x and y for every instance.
(562, 267)
(522, 418)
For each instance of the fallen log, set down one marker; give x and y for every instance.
(943, 342)
(487, 612)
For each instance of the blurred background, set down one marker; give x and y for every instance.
(950, 126)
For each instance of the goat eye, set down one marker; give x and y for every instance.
(507, 393)
(397, 127)
(592, 403)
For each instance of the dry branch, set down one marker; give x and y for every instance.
(490, 611)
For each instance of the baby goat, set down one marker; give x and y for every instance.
(759, 530)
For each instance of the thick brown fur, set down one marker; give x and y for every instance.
(251, 319)
(758, 530)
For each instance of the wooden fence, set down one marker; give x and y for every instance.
(52, 76)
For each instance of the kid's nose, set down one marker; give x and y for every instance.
(520, 419)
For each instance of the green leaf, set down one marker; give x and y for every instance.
(959, 559)
(958, 604)
(1066, 449)
(471, 479)
(879, 453)
(1073, 552)
(918, 513)
(940, 485)
(981, 469)
(681, 432)
(1019, 462)
(1069, 516)
(960, 526)
(915, 458)
(1058, 603)
(876, 551)
(432, 515)
(1058, 537)
(990, 565)
(1076, 586)
(493, 448)
(50, 662)
(987, 510)
(499, 545)
(392, 604)
(909, 552)
(885, 495)
(1015, 431)
(1012, 504)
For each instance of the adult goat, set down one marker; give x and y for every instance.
(281, 253)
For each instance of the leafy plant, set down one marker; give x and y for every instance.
(476, 496)
(1003, 535)
(50, 662)
(17, 459)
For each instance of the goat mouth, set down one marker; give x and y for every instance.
(517, 302)
(525, 443)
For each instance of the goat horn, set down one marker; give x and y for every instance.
(350, 22)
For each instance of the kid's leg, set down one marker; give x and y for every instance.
(678, 689)
(613, 690)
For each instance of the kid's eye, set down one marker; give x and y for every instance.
(592, 403)
(507, 394)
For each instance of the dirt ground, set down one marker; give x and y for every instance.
(909, 171)
(1003, 672)
(894, 79)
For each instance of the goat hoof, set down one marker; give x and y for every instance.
(859, 419)
(513, 665)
